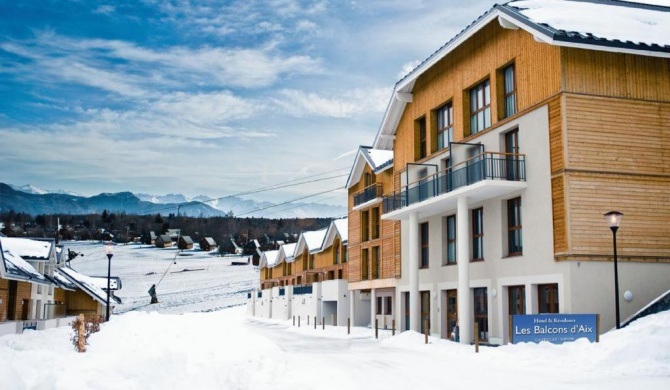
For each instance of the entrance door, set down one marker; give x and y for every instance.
(425, 311)
(452, 314)
(482, 312)
(517, 299)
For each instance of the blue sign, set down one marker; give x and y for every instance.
(555, 328)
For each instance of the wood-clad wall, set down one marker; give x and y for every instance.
(387, 233)
(615, 74)
(78, 302)
(4, 296)
(618, 158)
(537, 67)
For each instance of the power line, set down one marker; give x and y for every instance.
(288, 201)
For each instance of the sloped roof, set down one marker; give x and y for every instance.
(187, 239)
(27, 248)
(86, 284)
(338, 228)
(210, 241)
(13, 267)
(605, 25)
(313, 240)
(378, 160)
(289, 252)
(165, 238)
(270, 259)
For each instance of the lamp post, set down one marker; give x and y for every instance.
(613, 218)
(109, 250)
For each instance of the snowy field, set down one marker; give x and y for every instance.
(158, 347)
(199, 281)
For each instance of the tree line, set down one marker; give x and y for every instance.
(124, 228)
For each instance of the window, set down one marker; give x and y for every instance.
(514, 241)
(311, 261)
(346, 253)
(376, 271)
(421, 149)
(378, 309)
(289, 267)
(336, 257)
(423, 231)
(365, 224)
(451, 239)
(547, 298)
(425, 311)
(478, 234)
(374, 223)
(480, 107)
(365, 264)
(513, 166)
(482, 312)
(445, 126)
(509, 97)
(388, 307)
(517, 299)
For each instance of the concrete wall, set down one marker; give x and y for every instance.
(335, 301)
(359, 308)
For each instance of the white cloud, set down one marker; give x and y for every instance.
(105, 10)
(346, 104)
(408, 67)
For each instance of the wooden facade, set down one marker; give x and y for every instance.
(609, 121)
(15, 296)
(371, 237)
(78, 302)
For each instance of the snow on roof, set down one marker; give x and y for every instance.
(19, 268)
(27, 248)
(85, 283)
(63, 281)
(271, 258)
(314, 239)
(610, 20)
(379, 160)
(343, 228)
(289, 251)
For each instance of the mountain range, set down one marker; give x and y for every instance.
(33, 200)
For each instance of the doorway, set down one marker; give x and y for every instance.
(452, 315)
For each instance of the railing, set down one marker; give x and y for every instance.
(486, 166)
(55, 310)
(282, 292)
(367, 194)
(301, 290)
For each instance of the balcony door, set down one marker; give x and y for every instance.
(452, 314)
(511, 154)
(482, 312)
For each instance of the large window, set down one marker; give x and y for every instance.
(513, 166)
(365, 225)
(376, 267)
(450, 226)
(337, 254)
(482, 312)
(478, 234)
(423, 232)
(374, 223)
(547, 298)
(365, 264)
(514, 239)
(480, 107)
(509, 91)
(517, 299)
(378, 309)
(388, 307)
(445, 125)
(421, 138)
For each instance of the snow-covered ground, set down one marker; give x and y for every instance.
(224, 349)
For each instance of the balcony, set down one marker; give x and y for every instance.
(368, 194)
(481, 177)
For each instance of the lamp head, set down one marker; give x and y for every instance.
(613, 219)
(109, 249)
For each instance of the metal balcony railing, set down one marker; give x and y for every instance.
(367, 194)
(486, 166)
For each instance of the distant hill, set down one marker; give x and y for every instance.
(35, 204)
(32, 200)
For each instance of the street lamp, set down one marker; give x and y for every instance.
(613, 218)
(109, 250)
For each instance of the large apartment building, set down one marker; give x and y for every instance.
(484, 191)
(509, 144)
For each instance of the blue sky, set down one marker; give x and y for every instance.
(204, 97)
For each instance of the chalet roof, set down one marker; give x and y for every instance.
(187, 239)
(86, 284)
(27, 248)
(210, 241)
(379, 160)
(270, 259)
(641, 28)
(289, 252)
(14, 267)
(165, 238)
(338, 228)
(313, 240)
